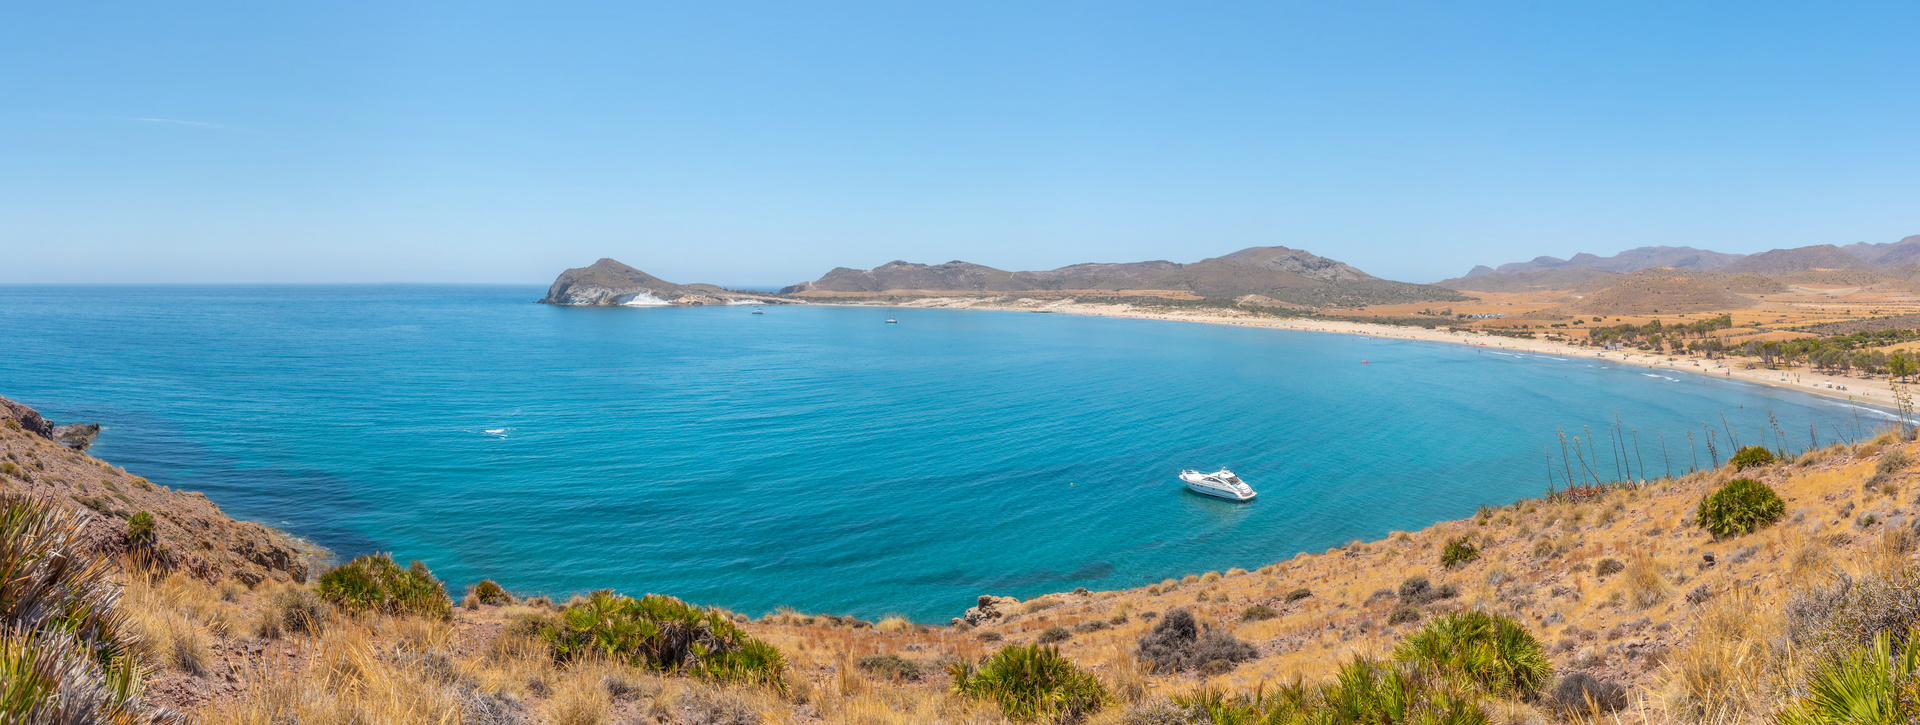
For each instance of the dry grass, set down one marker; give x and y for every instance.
(894, 624)
(1725, 671)
(349, 679)
(1643, 580)
(176, 618)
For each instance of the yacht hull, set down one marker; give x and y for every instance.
(1217, 493)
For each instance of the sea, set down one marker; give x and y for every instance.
(818, 458)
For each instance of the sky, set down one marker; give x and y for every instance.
(764, 144)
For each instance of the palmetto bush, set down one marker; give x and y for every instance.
(1874, 685)
(66, 650)
(1740, 507)
(489, 591)
(140, 529)
(1030, 682)
(664, 634)
(1750, 457)
(374, 583)
(1366, 692)
(1488, 651)
(1458, 552)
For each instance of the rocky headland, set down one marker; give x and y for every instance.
(609, 283)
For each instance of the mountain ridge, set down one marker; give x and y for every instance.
(1282, 273)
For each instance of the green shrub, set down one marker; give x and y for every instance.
(1740, 507)
(374, 583)
(891, 666)
(1298, 594)
(489, 592)
(1750, 457)
(1258, 613)
(66, 650)
(1031, 682)
(1492, 651)
(1055, 634)
(663, 634)
(1458, 552)
(140, 529)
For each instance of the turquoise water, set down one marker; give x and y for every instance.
(813, 456)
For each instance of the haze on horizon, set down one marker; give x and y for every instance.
(763, 144)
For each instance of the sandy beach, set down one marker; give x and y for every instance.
(1866, 390)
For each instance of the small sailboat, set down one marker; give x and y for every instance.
(757, 311)
(892, 321)
(1219, 484)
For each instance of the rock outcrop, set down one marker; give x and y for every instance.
(26, 418)
(76, 436)
(609, 283)
(989, 609)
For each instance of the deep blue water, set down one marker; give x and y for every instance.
(813, 456)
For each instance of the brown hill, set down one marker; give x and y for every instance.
(1654, 295)
(1905, 251)
(1288, 275)
(1632, 260)
(897, 275)
(1845, 277)
(1743, 283)
(1542, 280)
(1799, 259)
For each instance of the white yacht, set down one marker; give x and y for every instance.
(757, 311)
(1219, 484)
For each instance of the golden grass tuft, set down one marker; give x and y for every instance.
(580, 697)
(894, 624)
(1643, 580)
(348, 680)
(1724, 672)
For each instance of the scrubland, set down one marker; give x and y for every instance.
(1614, 603)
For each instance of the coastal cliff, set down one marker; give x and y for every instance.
(608, 283)
(190, 533)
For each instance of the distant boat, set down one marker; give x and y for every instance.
(1219, 484)
(757, 311)
(892, 321)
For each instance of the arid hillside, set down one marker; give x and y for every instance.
(1654, 295)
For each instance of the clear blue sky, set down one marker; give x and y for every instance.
(764, 144)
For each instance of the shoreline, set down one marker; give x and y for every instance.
(1859, 391)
